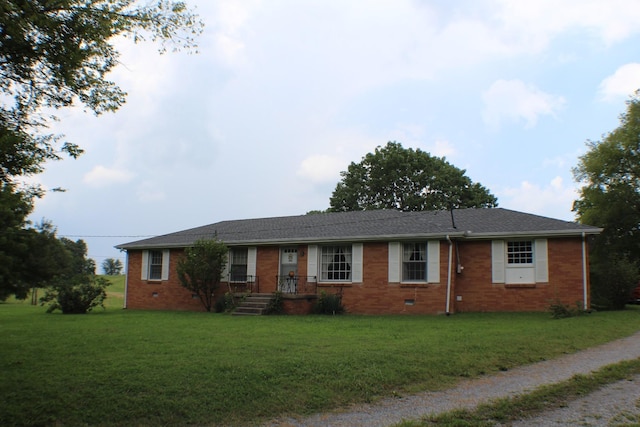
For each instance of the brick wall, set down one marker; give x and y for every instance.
(158, 295)
(472, 289)
(475, 292)
(375, 295)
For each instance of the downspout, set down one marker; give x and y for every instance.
(126, 279)
(584, 270)
(448, 305)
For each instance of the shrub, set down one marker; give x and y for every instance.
(562, 311)
(329, 304)
(225, 304)
(76, 298)
(276, 306)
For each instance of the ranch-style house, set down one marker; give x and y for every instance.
(380, 261)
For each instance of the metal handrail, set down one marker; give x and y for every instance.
(294, 284)
(243, 284)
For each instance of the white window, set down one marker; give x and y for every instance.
(155, 265)
(519, 261)
(238, 259)
(520, 252)
(414, 262)
(335, 263)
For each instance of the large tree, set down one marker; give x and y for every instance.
(200, 269)
(56, 54)
(29, 256)
(610, 198)
(394, 177)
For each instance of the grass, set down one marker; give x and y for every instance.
(505, 411)
(115, 292)
(118, 367)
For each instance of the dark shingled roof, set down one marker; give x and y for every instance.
(369, 226)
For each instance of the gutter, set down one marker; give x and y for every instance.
(584, 271)
(548, 233)
(448, 304)
(386, 237)
(291, 241)
(126, 280)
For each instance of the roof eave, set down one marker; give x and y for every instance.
(389, 237)
(298, 241)
(550, 233)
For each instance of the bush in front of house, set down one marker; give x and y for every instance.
(329, 304)
(562, 311)
(276, 305)
(225, 304)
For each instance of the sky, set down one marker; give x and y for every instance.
(284, 94)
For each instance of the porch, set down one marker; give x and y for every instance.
(298, 293)
(289, 284)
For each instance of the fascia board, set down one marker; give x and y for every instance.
(293, 241)
(549, 233)
(467, 235)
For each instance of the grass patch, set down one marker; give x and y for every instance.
(115, 292)
(545, 398)
(118, 367)
(114, 300)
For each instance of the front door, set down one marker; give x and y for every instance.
(288, 270)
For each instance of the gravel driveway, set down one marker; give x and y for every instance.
(595, 410)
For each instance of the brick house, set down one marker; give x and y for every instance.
(381, 261)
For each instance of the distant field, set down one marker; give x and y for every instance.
(115, 292)
(119, 367)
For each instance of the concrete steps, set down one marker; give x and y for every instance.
(253, 305)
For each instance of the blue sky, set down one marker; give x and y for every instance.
(283, 95)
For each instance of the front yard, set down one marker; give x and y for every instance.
(119, 367)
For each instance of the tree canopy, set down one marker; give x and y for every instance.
(112, 267)
(610, 198)
(56, 54)
(394, 177)
(29, 256)
(75, 289)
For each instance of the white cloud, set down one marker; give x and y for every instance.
(624, 82)
(442, 148)
(101, 176)
(321, 168)
(231, 20)
(535, 23)
(149, 192)
(284, 94)
(514, 100)
(554, 199)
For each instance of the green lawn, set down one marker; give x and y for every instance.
(115, 292)
(120, 367)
